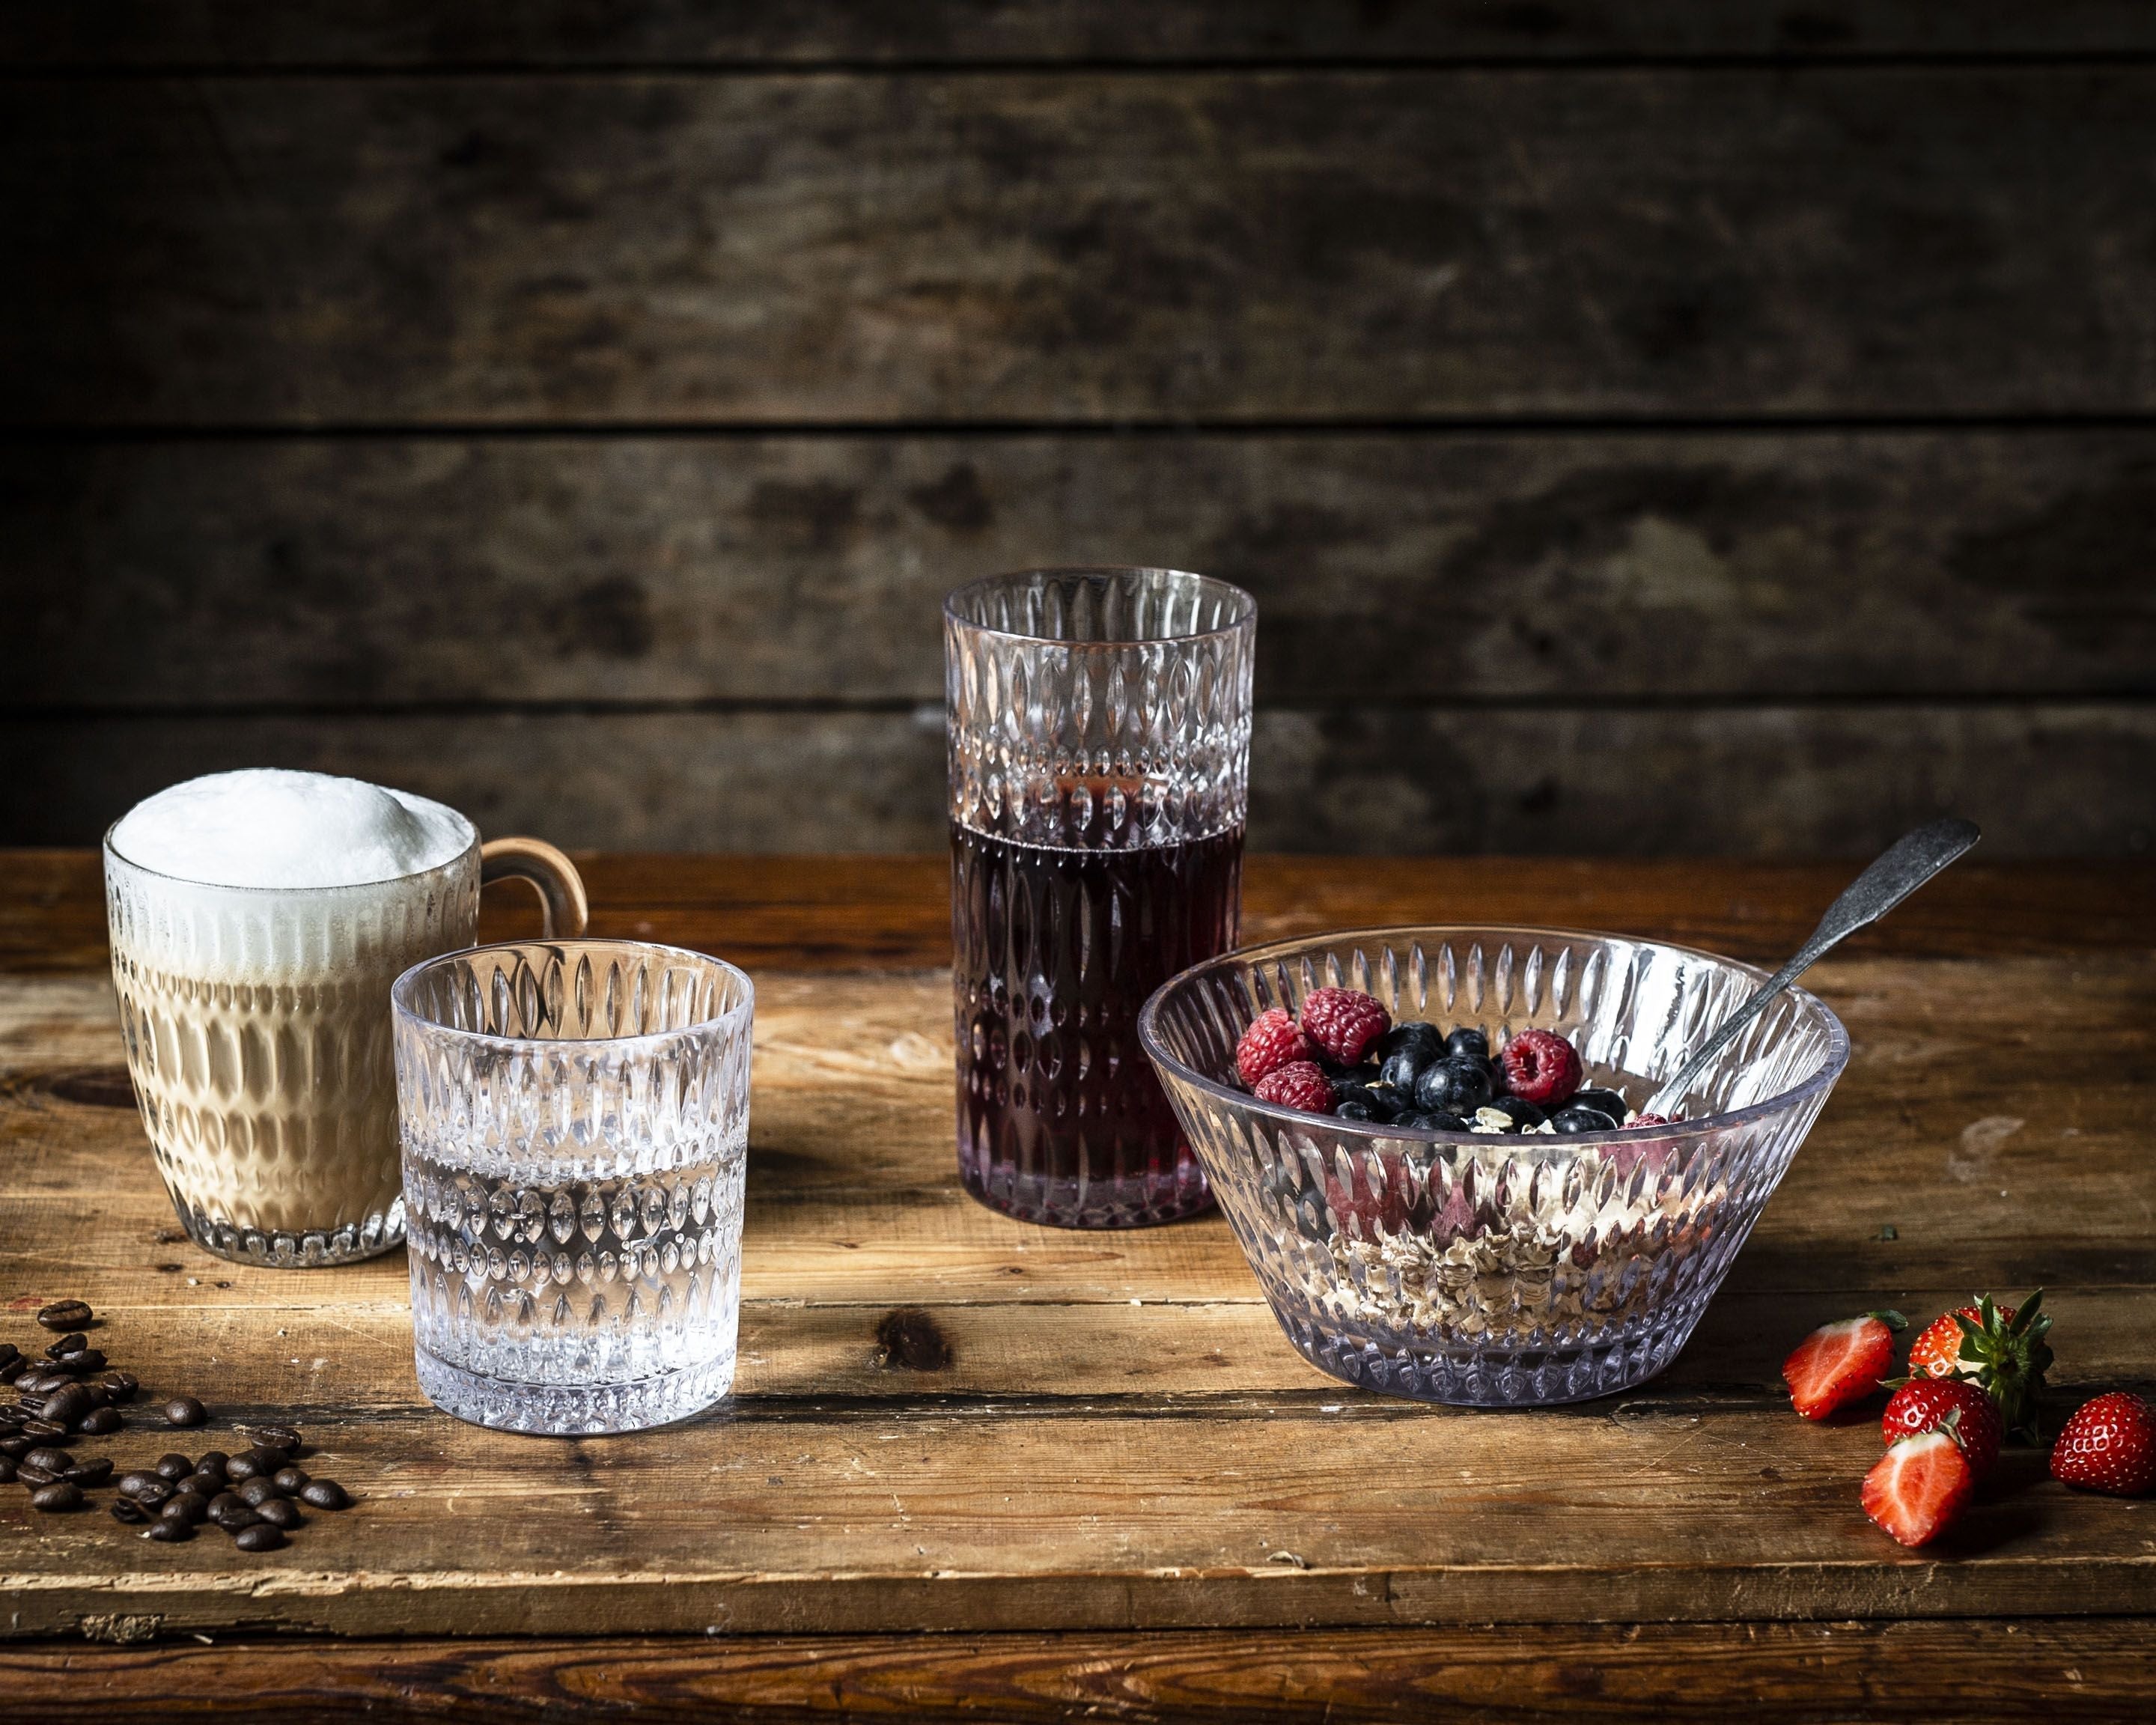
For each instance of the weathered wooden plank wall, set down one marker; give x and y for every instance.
(1723, 427)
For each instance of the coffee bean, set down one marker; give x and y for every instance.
(289, 1480)
(135, 1480)
(258, 1492)
(17, 1447)
(43, 1429)
(81, 1365)
(188, 1506)
(29, 1473)
(9, 1353)
(43, 1383)
(228, 1510)
(7, 1469)
(166, 1533)
(65, 1315)
(11, 1415)
(51, 1460)
(261, 1537)
(99, 1422)
(174, 1466)
(51, 1499)
(152, 1491)
(243, 1467)
(212, 1461)
(325, 1494)
(72, 1343)
(203, 1485)
(100, 1396)
(126, 1510)
(64, 1406)
(95, 1471)
(184, 1410)
(267, 1458)
(281, 1512)
(121, 1386)
(274, 1437)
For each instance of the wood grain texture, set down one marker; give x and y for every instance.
(1089, 246)
(580, 33)
(857, 913)
(1082, 1461)
(1979, 1672)
(1423, 570)
(2043, 779)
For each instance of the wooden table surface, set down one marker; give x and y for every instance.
(1098, 1469)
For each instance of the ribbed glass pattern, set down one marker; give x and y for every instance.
(1498, 1270)
(256, 1030)
(1099, 730)
(575, 1120)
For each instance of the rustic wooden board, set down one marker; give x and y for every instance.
(1976, 1671)
(1430, 569)
(580, 32)
(1298, 245)
(2045, 778)
(836, 1494)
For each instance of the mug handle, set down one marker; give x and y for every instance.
(564, 909)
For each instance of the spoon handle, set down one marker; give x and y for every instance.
(1903, 867)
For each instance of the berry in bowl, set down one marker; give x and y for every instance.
(1426, 1142)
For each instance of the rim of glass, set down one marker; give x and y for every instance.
(1149, 1039)
(470, 850)
(1246, 615)
(729, 1020)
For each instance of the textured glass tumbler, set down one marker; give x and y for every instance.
(1099, 730)
(256, 1021)
(1499, 1271)
(575, 1123)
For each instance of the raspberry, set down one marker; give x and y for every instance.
(1541, 1067)
(1297, 1085)
(1343, 1022)
(1268, 1045)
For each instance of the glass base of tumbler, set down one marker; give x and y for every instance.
(570, 1410)
(303, 1249)
(1139, 1202)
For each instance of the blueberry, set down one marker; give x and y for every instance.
(1465, 1043)
(1521, 1114)
(1575, 1119)
(1602, 1101)
(1433, 1120)
(1401, 1069)
(1454, 1088)
(1355, 1107)
(1392, 1103)
(1415, 1037)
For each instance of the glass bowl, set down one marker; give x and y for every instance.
(1488, 1271)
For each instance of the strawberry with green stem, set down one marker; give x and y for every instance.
(2000, 1348)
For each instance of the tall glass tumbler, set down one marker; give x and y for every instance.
(1099, 731)
(575, 1124)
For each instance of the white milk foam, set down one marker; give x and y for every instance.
(265, 827)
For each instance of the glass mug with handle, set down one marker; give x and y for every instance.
(257, 1024)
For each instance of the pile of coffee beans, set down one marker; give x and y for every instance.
(72, 1392)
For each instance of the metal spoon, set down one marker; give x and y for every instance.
(1905, 865)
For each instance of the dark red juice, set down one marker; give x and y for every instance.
(1061, 1119)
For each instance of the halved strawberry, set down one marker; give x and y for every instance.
(1999, 1347)
(1840, 1363)
(1922, 1405)
(1919, 1486)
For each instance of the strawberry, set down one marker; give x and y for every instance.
(1268, 1045)
(1297, 1085)
(1999, 1347)
(1922, 1405)
(1919, 1485)
(1344, 1022)
(2109, 1444)
(1840, 1363)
